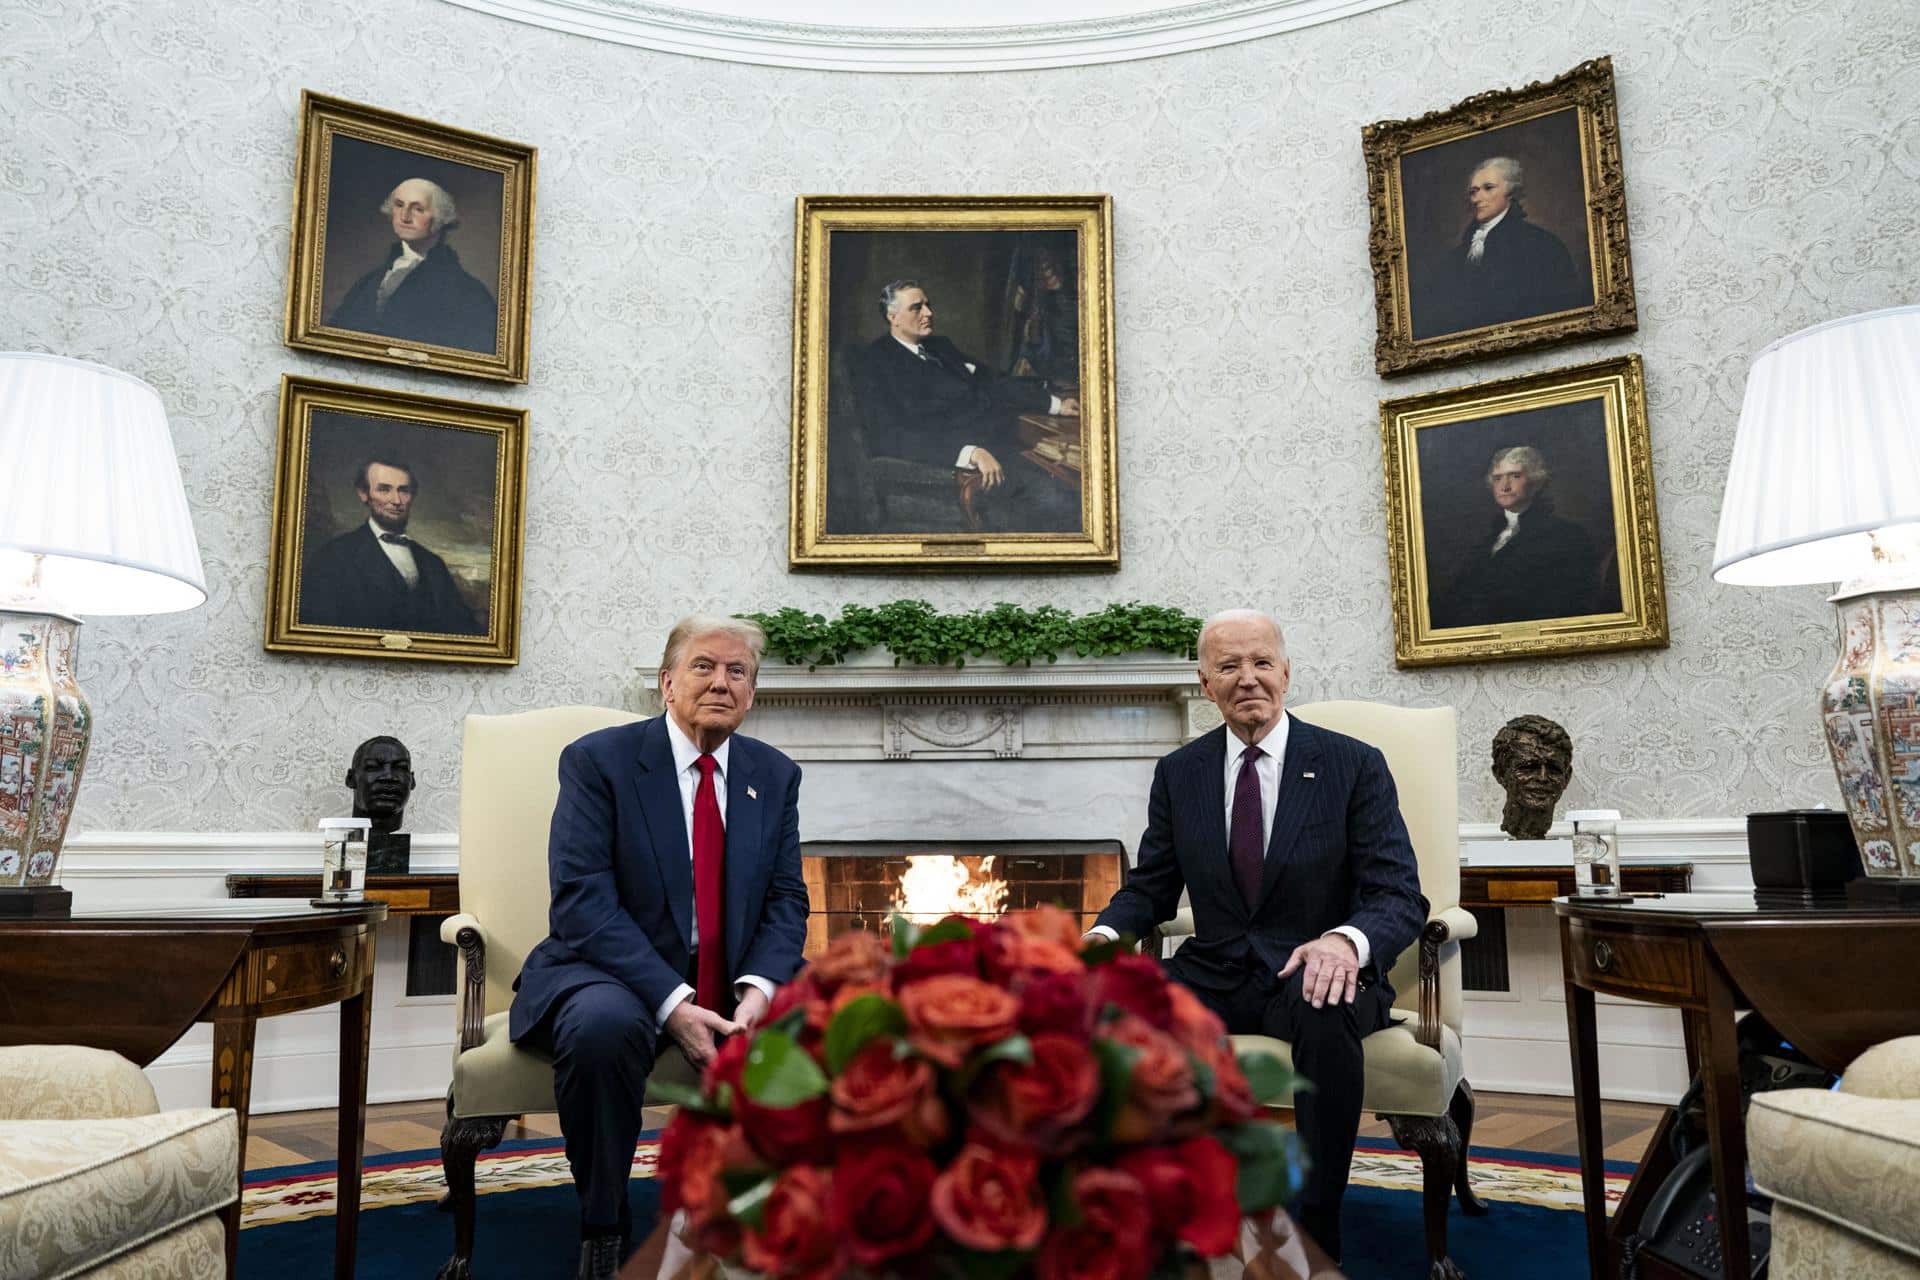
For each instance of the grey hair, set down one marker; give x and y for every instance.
(1510, 173)
(695, 625)
(446, 214)
(892, 292)
(1240, 615)
(1530, 461)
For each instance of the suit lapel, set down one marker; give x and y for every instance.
(745, 847)
(1297, 794)
(1206, 782)
(659, 789)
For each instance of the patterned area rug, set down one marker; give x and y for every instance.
(526, 1225)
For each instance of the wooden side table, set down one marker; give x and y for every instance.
(133, 981)
(1487, 887)
(1708, 954)
(417, 893)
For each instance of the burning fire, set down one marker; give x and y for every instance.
(937, 886)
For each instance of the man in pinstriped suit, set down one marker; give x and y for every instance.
(1288, 839)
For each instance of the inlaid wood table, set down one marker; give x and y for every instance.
(133, 981)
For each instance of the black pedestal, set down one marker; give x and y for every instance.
(40, 900)
(389, 854)
(1874, 891)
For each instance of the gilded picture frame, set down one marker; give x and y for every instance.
(1520, 518)
(1500, 223)
(412, 242)
(398, 525)
(984, 438)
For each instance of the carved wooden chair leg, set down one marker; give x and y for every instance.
(460, 1142)
(1437, 1141)
(1461, 1109)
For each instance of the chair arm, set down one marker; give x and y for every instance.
(1181, 926)
(1449, 924)
(464, 932)
(68, 1082)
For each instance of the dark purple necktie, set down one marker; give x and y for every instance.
(1246, 847)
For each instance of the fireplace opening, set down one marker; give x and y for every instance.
(859, 884)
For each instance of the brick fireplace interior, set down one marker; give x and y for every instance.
(858, 884)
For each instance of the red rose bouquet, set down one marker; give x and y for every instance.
(995, 1099)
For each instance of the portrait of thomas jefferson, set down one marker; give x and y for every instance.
(412, 248)
(1496, 228)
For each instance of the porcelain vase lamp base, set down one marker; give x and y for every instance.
(45, 726)
(1870, 712)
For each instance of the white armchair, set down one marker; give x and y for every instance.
(1414, 1077)
(509, 779)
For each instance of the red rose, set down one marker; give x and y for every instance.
(961, 955)
(879, 1091)
(1114, 1203)
(1055, 924)
(990, 1200)
(1161, 1085)
(1192, 1187)
(858, 955)
(1038, 1103)
(1194, 1025)
(1058, 1002)
(951, 1015)
(1086, 1253)
(795, 1237)
(880, 1202)
(1233, 1100)
(725, 1067)
(694, 1152)
(785, 1135)
(1137, 985)
(801, 993)
(1010, 958)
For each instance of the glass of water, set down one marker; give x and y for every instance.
(1596, 852)
(343, 859)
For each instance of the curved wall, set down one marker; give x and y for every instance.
(145, 176)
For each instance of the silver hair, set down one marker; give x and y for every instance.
(1510, 173)
(1240, 615)
(1529, 460)
(892, 291)
(446, 214)
(695, 625)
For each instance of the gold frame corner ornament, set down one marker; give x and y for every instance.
(1619, 383)
(322, 119)
(300, 397)
(809, 545)
(1587, 88)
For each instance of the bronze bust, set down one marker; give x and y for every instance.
(1533, 762)
(381, 776)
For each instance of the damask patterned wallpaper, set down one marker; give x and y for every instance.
(1773, 166)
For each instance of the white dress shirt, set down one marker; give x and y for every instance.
(966, 450)
(1273, 752)
(400, 553)
(1506, 534)
(686, 767)
(1478, 249)
(396, 274)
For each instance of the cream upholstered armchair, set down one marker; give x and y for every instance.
(1414, 1077)
(96, 1180)
(509, 779)
(1840, 1168)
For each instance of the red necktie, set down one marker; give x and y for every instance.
(709, 891)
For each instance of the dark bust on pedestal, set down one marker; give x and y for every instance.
(381, 776)
(1533, 762)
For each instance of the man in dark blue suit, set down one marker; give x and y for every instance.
(1289, 841)
(678, 907)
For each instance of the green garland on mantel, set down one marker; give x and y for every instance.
(916, 633)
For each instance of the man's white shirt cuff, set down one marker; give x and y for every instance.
(1104, 932)
(966, 455)
(1357, 938)
(671, 1003)
(757, 982)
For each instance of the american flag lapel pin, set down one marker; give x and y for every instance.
(755, 795)
(1304, 775)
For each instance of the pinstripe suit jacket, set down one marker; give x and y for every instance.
(1339, 855)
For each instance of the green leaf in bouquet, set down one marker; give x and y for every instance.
(1272, 1082)
(905, 934)
(1098, 953)
(750, 1206)
(790, 1023)
(972, 1264)
(1273, 1164)
(862, 1019)
(686, 1096)
(945, 931)
(1116, 1080)
(1015, 1048)
(779, 1073)
(1063, 1208)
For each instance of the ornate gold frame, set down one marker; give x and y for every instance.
(299, 397)
(816, 218)
(321, 120)
(1589, 88)
(1642, 622)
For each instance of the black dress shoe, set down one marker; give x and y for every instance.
(600, 1257)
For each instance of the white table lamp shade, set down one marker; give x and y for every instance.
(1828, 451)
(89, 480)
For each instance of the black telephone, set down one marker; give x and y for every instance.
(1682, 1222)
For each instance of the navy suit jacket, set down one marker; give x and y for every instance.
(622, 880)
(1339, 855)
